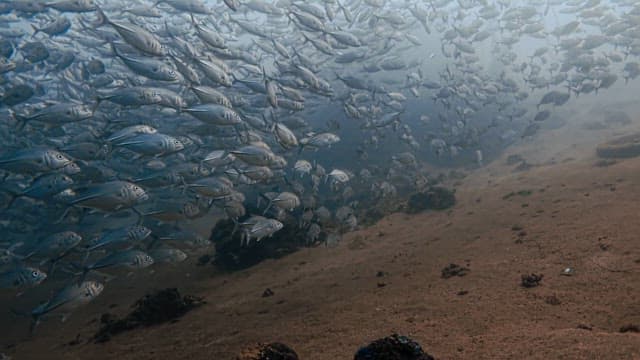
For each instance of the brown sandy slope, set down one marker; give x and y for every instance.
(329, 301)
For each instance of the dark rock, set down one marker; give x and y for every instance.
(230, 256)
(436, 198)
(630, 328)
(520, 193)
(394, 347)
(532, 280)
(268, 292)
(163, 306)
(452, 270)
(273, 351)
(372, 215)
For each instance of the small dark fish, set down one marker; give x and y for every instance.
(531, 130)
(35, 52)
(57, 27)
(95, 67)
(21, 277)
(542, 115)
(63, 61)
(16, 95)
(67, 300)
(6, 48)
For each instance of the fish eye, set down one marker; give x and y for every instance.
(59, 156)
(35, 274)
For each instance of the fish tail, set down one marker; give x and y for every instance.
(140, 216)
(13, 199)
(99, 100)
(114, 49)
(20, 120)
(52, 266)
(35, 31)
(63, 216)
(102, 18)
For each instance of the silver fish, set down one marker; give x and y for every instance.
(33, 161)
(152, 144)
(133, 35)
(67, 299)
(109, 196)
(21, 277)
(129, 235)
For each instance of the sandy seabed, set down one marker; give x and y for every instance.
(327, 302)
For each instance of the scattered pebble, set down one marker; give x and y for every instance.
(531, 280)
(454, 270)
(267, 292)
(272, 351)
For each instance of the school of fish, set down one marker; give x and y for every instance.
(124, 121)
